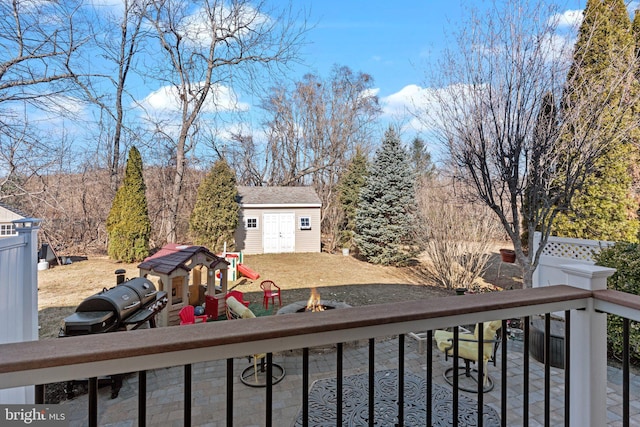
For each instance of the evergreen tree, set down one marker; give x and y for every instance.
(351, 183)
(604, 208)
(215, 215)
(421, 159)
(386, 207)
(635, 28)
(128, 224)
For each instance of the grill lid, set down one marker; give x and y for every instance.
(123, 300)
(145, 290)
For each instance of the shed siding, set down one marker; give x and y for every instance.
(7, 216)
(251, 241)
(308, 240)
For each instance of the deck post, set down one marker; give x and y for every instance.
(588, 357)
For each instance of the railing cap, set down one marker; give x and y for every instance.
(587, 270)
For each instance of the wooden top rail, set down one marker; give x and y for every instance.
(618, 303)
(69, 351)
(619, 298)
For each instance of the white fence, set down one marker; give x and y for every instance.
(19, 295)
(561, 251)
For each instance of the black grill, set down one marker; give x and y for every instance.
(127, 306)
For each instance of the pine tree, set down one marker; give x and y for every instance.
(386, 207)
(215, 215)
(421, 159)
(351, 183)
(128, 224)
(604, 208)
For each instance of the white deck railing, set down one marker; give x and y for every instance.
(560, 251)
(105, 354)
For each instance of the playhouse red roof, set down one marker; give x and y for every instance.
(173, 256)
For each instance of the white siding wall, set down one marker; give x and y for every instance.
(7, 216)
(250, 241)
(19, 299)
(308, 240)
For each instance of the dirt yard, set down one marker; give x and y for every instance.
(339, 278)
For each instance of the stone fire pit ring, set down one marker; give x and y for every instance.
(300, 306)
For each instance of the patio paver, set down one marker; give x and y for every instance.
(165, 397)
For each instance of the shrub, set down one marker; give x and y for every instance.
(625, 258)
(214, 218)
(128, 223)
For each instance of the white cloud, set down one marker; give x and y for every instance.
(166, 100)
(570, 19)
(199, 27)
(369, 93)
(59, 105)
(405, 106)
(401, 102)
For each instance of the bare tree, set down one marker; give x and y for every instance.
(488, 100)
(312, 132)
(204, 46)
(40, 41)
(118, 37)
(456, 235)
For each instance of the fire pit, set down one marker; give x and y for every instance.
(315, 303)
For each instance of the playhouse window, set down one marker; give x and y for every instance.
(251, 223)
(177, 284)
(305, 223)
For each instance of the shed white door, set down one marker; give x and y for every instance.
(279, 233)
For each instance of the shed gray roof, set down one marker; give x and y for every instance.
(278, 196)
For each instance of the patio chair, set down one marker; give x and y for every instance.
(271, 290)
(239, 296)
(468, 352)
(188, 317)
(253, 375)
(237, 309)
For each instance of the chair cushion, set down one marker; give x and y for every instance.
(240, 309)
(468, 344)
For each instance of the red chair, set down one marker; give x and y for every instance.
(239, 296)
(271, 290)
(188, 317)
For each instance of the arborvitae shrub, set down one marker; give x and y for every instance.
(128, 224)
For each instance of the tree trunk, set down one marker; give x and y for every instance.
(527, 275)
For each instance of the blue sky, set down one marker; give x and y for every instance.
(391, 40)
(394, 41)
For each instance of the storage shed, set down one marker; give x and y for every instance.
(278, 220)
(186, 272)
(7, 215)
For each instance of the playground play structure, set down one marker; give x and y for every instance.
(237, 268)
(193, 276)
